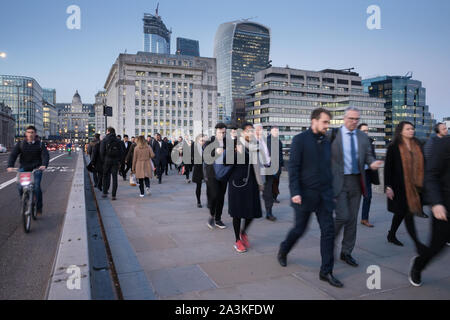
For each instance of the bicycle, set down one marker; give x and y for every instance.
(28, 202)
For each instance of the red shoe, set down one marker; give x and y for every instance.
(239, 247)
(244, 239)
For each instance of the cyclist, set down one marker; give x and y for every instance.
(33, 155)
(69, 147)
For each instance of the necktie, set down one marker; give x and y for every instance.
(355, 169)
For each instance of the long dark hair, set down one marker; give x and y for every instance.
(398, 139)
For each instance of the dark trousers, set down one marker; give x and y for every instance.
(124, 167)
(141, 184)
(268, 193)
(368, 199)
(440, 234)
(275, 186)
(99, 183)
(187, 171)
(95, 176)
(160, 167)
(198, 191)
(110, 168)
(323, 206)
(410, 227)
(215, 191)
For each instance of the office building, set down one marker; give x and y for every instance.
(7, 126)
(74, 119)
(188, 47)
(170, 94)
(241, 49)
(405, 101)
(286, 97)
(156, 34)
(24, 96)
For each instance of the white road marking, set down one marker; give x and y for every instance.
(7, 183)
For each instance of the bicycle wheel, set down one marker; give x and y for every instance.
(26, 216)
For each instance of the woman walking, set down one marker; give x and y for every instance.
(244, 186)
(403, 178)
(142, 156)
(197, 164)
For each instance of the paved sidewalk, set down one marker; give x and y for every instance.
(184, 259)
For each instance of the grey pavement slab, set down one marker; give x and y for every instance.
(183, 259)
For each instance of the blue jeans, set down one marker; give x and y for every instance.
(367, 200)
(37, 188)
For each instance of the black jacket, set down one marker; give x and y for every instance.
(310, 164)
(280, 152)
(161, 152)
(95, 157)
(394, 178)
(437, 174)
(108, 139)
(32, 155)
(196, 156)
(126, 149)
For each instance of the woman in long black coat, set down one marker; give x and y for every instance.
(197, 165)
(244, 186)
(396, 183)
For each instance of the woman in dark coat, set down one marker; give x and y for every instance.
(403, 178)
(197, 165)
(244, 186)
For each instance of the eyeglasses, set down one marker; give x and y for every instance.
(354, 119)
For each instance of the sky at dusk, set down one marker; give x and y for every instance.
(311, 35)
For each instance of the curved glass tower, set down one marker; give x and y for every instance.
(156, 35)
(241, 49)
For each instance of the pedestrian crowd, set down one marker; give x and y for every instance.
(330, 171)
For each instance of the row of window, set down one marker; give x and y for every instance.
(309, 86)
(161, 113)
(164, 75)
(162, 104)
(163, 123)
(162, 84)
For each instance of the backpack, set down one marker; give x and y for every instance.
(113, 149)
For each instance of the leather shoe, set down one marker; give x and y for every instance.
(349, 260)
(366, 223)
(276, 201)
(271, 217)
(282, 259)
(331, 280)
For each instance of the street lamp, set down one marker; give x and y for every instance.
(3, 55)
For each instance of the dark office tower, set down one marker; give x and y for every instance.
(156, 35)
(241, 49)
(405, 101)
(188, 47)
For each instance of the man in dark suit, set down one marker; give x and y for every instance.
(161, 151)
(312, 191)
(126, 148)
(437, 192)
(350, 152)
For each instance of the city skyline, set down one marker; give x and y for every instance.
(330, 35)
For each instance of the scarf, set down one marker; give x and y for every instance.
(413, 172)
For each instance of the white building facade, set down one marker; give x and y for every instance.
(173, 95)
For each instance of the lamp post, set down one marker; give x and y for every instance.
(3, 55)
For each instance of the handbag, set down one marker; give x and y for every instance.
(90, 167)
(222, 171)
(133, 182)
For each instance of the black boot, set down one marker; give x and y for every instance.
(269, 215)
(282, 258)
(393, 239)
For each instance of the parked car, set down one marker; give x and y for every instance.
(2, 149)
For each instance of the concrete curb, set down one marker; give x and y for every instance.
(133, 281)
(70, 279)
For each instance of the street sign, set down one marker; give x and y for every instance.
(107, 111)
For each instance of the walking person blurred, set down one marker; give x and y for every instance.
(372, 178)
(437, 191)
(403, 181)
(90, 151)
(244, 186)
(311, 188)
(141, 167)
(161, 151)
(188, 144)
(111, 154)
(124, 167)
(98, 163)
(275, 132)
(169, 157)
(197, 164)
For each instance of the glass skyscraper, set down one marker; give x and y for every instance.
(405, 101)
(156, 35)
(24, 96)
(188, 47)
(241, 49)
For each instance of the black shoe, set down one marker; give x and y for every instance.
(349, 260)
(219, 224)
(271, 217)
(159, 181)
(330, 279)
(104, 195)
(113, 198)
(415, 276)
(276, 201)
(282, 259)
(393, 239)
(199, 205)
(211, 223)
